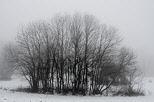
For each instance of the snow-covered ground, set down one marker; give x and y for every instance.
(11, 96)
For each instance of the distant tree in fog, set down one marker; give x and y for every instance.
(6, 64)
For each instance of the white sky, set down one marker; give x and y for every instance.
(133, 18)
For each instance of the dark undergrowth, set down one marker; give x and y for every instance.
(130, 92)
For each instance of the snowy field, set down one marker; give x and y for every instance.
(11, 96)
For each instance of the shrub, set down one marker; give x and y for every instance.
(134, 92)
(21, 89)
(129, 92)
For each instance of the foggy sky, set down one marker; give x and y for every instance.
(133, 18)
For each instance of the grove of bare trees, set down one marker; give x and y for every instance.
(71, 53)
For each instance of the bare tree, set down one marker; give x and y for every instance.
(7, 66)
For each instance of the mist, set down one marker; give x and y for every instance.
(133, 19)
